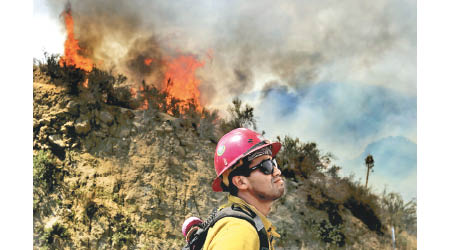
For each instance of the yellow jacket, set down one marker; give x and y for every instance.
(233, 233)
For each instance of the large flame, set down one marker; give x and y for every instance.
(71, 47)
(180, 81)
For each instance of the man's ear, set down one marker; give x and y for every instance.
(240, 182)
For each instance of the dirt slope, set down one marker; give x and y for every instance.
(127, 179)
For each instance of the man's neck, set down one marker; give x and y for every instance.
(262, 206)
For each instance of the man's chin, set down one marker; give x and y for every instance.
(281, 188)
(280, 193)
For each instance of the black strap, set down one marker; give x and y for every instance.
(263, 240)
(236, 211)
(247, 214)
(256, 145)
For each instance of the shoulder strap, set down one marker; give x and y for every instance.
(197, 240)
(246, 214)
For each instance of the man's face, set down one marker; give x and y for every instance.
(265, 187)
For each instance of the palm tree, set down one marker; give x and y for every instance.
(370, 163)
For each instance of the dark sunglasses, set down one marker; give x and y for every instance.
(266, 166)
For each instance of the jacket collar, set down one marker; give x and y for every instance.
(267, 224)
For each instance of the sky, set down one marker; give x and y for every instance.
(338, 73)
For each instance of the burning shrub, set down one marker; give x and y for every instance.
(150, 97)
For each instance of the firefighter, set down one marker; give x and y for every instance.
(246, 168)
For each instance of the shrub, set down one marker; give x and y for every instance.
(44, 171)
(156, 99)
(298, 159)
(65, 75)
(240, 118)
(156, 226)
(329, 233)
(334, 171)
(123, 232)
(397, 213)
(50, 66)
(53, 236)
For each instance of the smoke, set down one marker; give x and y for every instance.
(339, 73)
(350, 121)
(395, 165)
(341, 118)
(298, 43)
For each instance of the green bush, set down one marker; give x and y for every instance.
(397, 213)
(334, 171)
(329, 233)
(124, 233)
(53, 236)
(44, 171)
(297, 159)
(240, 117)
(156, 226)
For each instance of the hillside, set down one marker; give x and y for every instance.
(111, 175)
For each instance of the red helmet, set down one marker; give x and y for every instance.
(236, 145)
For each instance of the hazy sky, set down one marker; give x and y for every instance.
(339, 73)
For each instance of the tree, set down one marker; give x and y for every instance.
(369, 164)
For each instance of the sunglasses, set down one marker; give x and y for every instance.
(266, 166)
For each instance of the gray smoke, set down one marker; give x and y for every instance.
(298, 43)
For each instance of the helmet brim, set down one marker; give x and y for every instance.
(276, 146)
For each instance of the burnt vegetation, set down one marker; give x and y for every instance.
(106, 88)
(301, 162)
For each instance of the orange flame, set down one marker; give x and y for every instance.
(180, 80)
(144, 105)
(134, 94)
(71, 47)
(148, 61)
(86, 83)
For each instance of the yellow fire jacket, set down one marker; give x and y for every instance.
(233, 233)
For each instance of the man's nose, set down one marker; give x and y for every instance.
(276, 171)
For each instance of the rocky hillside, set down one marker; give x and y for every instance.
(110, 177)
